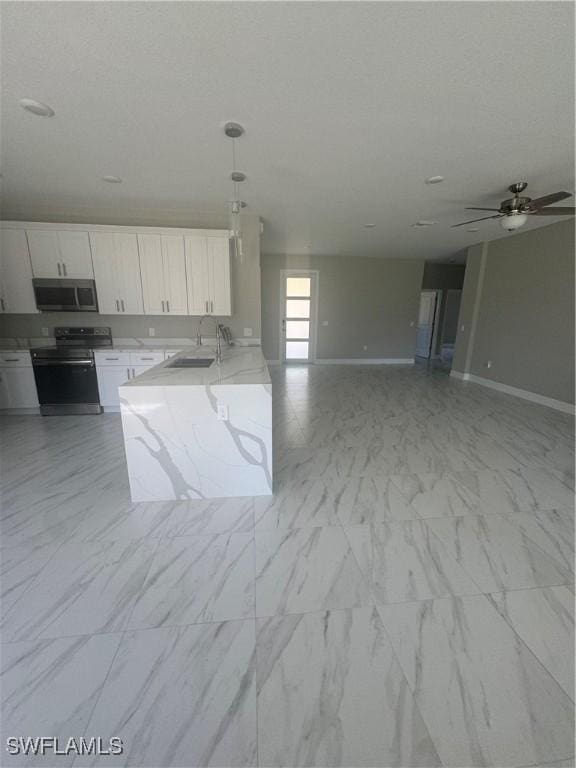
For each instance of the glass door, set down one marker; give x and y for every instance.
(298, 332)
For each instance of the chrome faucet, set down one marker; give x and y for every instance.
(218, 337)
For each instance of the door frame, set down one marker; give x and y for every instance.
(315, 274)
(435, 323)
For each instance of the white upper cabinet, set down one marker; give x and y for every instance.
(60, 253)
(16, 292)
(163, 269)
(208, 275)
(219, 275)
(117, 273)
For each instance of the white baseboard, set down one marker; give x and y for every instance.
(367, 361)
(533, 397)
(20, 411)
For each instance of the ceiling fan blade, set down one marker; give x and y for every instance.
(496, 210)
(555, 197)
(566, 211)
(473, 221)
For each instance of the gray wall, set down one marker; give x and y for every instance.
(366, 302)
(245, 305)
(518, 312)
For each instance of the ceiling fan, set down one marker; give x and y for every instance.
(513, 213)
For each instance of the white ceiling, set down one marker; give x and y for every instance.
(348, 107)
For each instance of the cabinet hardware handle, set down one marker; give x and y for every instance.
(147, 358)
(206, 307)
(212, 307)
(167, 306)
(59, 270)
(64, 268)
(111, 358)
(128, 372)
(117, 306)
(2, 304)
(133, 374)
(11, 359)
(162, 305)
(122, 302)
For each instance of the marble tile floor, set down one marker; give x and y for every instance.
(406, 597)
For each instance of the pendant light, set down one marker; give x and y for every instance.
(234, 131)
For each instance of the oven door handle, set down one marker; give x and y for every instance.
(37, 362)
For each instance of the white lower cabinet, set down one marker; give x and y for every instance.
(116, 368)
(17, 383)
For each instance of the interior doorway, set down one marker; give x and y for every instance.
(298, 313)
(427, 323)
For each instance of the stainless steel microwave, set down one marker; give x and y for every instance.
(65, 295)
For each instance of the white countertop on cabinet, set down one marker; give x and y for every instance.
(240, 365)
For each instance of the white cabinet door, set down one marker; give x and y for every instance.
(63, 253)
(127, 253)
(219, 276)
(16, 292)
(106, 272)
(117, 273)
(44, 253)
(197, 275)
(18, 389)
(152, 271)
(174, 264)
(110, 377)
(75, 255)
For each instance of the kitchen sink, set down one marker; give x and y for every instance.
(191, 362)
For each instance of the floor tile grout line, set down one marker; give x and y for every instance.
(547, 556)
(395, 655)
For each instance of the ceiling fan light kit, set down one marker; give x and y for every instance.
(514, 212)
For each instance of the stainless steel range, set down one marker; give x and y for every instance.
(66, 373)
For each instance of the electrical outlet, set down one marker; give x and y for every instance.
(461, 329)
(247, 331)
(365, 348)
(488, 363)
(151, 331)
(222, 413)
(45, 331)
(412, 324)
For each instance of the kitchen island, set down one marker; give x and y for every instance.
(200, 433)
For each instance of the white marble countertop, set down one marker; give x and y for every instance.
(240, 365)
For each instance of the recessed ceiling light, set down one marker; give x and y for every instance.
(112, 179)
(424, 223)
(434, 179)
(369, 226)
(233, 130)
(36, 107)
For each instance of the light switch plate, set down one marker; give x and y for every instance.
(44, 331)
(151, 331)
(324, 322)
(222, 413)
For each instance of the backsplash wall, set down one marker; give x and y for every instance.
(245, 280)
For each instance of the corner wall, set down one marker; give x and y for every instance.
(518, 312)
(364, 301)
